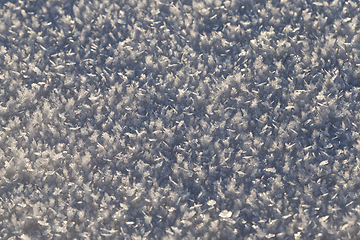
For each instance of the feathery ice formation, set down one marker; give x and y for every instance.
(179, 119)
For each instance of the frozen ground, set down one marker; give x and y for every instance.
(179, 120)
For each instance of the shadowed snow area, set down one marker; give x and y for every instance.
(147, 119)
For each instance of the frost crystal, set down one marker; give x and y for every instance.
(225, 214)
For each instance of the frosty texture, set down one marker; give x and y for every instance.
(179, 119)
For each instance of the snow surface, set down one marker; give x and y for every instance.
(147, 119)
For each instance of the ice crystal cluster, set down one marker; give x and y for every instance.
(156, 119)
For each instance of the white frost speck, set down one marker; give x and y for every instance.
(225, 214)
